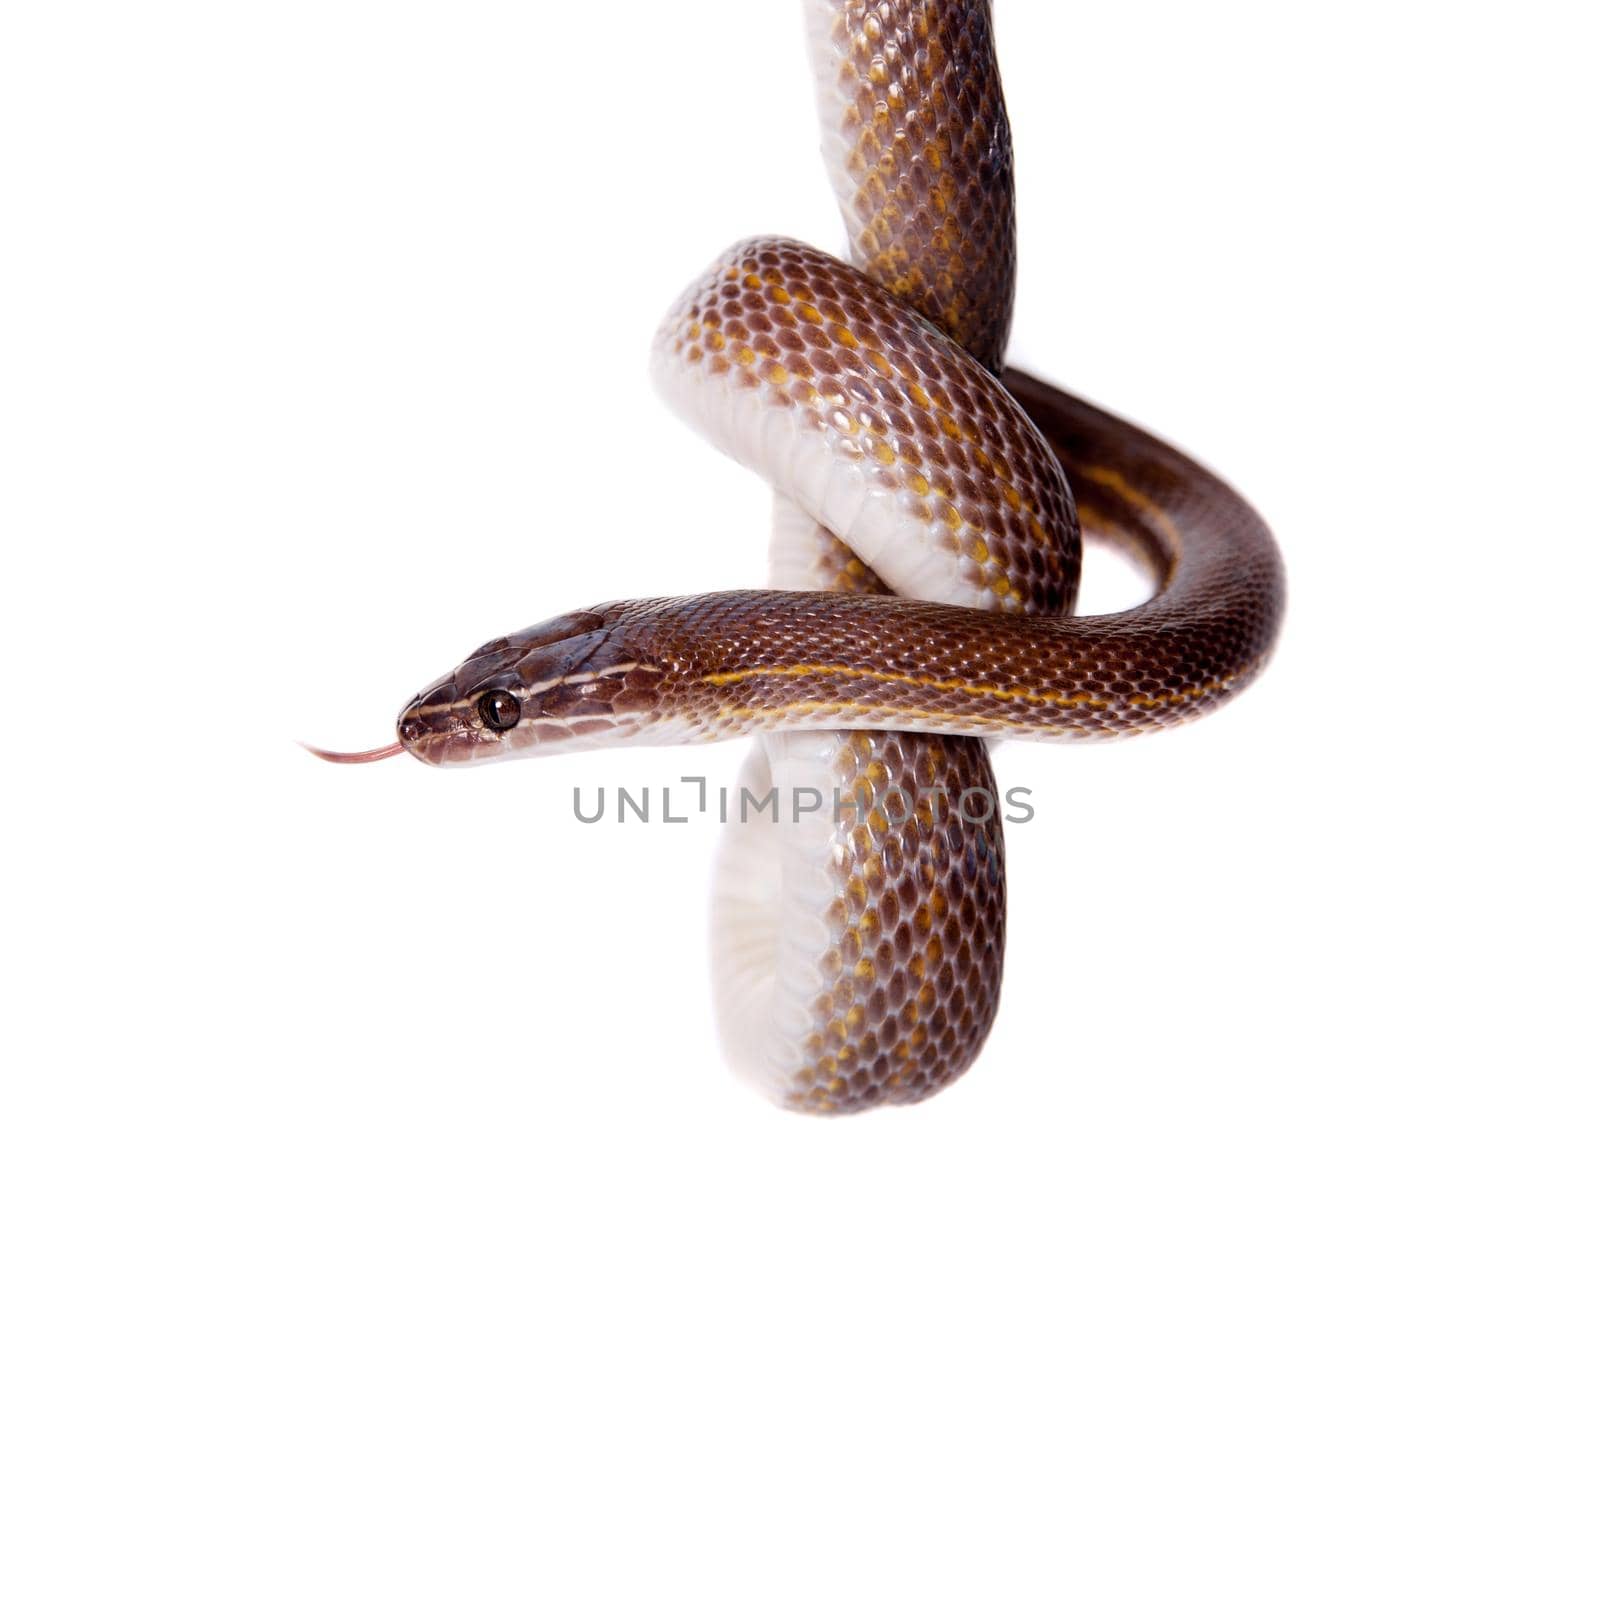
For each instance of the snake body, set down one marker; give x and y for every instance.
(926, 546)
(816, 1006)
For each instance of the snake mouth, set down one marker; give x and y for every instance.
(441, 728)
(453, 734)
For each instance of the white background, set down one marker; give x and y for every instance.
(376, 1217)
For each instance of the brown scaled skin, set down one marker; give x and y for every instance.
(924, 183)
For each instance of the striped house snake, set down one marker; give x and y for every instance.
(925, 552)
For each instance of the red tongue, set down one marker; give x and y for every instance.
(351, 757)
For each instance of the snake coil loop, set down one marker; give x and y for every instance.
(925, 557)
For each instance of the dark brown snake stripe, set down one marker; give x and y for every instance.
(942, 481)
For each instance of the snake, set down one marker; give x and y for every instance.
(930, 508)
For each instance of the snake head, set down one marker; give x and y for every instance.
(567, 683)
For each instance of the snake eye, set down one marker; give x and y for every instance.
(499, 709)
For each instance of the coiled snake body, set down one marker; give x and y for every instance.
(925, 557)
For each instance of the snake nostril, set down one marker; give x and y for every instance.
(411, 730)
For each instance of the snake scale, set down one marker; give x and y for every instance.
(926, 544)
